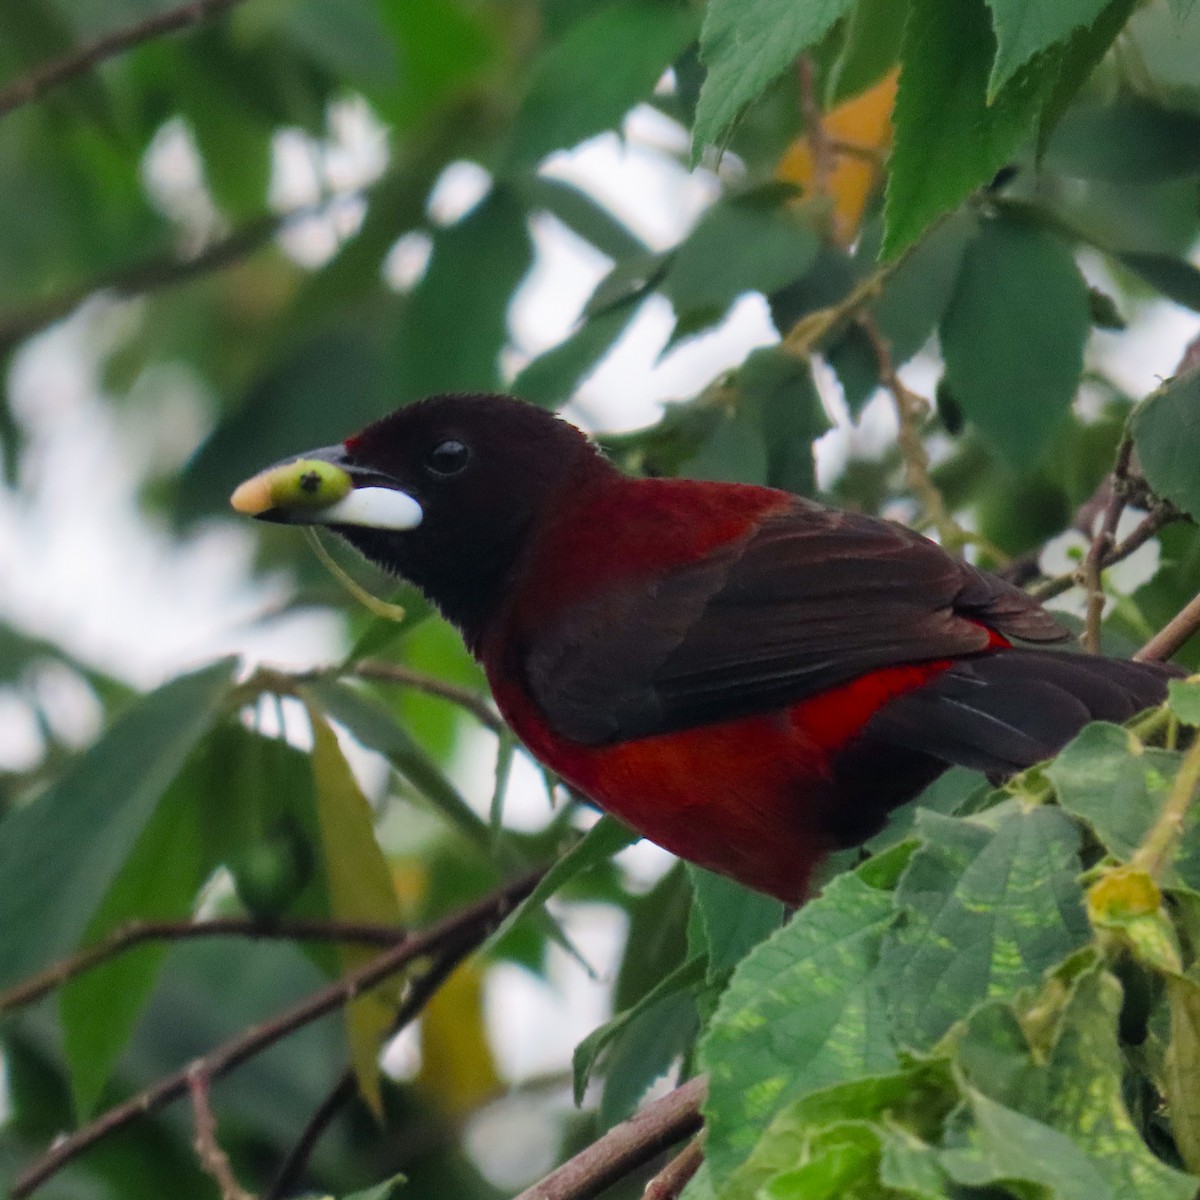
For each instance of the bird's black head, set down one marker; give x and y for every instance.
(443, 492)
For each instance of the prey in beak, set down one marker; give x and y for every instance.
(324, 488)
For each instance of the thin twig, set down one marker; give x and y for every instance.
(1102, 545)
(451, 932)
(669, 1183)
(910, 411)
(625, 1147)
(420, 991)
(213, 1160)
(824, 157)
(1161, 515)
(85, 58)
(465, 698)
(135, 933)
(1173, 634)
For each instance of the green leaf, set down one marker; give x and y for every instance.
(684, 978)
(581, 214)
(987, 911)
(374, 727)
(1130, 142)
(1117, 786)
(1063, 1122)
(60, 854)
(949, 139)
(1025, 28)
(1166, 431)
(874, 31)
(553, 376)
(605, 63)
(360, 889)
(462, 302)
(779, 387)
(734, 918)
(1183, 695)
(746, 44)
(802, 1011)
(381, 632)
(1013, 338)
(774, 247)
(158, 881)
(389, 1190)
(1175, 278)
(1181, 1074)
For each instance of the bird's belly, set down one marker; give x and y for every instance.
(756, 798)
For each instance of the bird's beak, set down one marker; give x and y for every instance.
(324, 487)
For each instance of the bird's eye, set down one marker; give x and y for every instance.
(448, 457)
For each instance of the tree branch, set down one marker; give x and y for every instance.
(465, 698)
(213, 1160)
(910, 410)
(467, 927)
(669, 1183)
(1172, 635)
(84, 59)
(420, 992)
(135, 933)
(626, 1147)
(1102, 545)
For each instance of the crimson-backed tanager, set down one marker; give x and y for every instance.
(747, 678)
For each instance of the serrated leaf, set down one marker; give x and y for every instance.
(987, 911)
(1166, 432)
(802, 1011)
(60, 854)
(874, 31)
(734, 918)
(1107, 779)
(360, 889)
(746, 44)
(949, 139)
(1013, 337)
(604, 64)
(1025, 28)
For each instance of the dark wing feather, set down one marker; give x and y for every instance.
(808, 600)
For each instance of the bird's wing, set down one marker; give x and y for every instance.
(808, 600)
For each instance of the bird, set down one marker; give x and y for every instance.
(747, 677)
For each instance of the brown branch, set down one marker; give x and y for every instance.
(420, 992)
(135, 933)
(465, 698)
(1102, 545)
(1173, 634)
(910, 411)
(824, 157)
(50, 74)
(152, 274)
(626, 1147)
(461, 927)
(669, 1183)
(1161, 515)
(213, 1160)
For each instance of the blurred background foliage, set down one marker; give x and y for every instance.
(262, 230)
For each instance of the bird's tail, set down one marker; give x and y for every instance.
(1005, 711)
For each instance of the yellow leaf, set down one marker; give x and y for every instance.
(457, 1066)
(859, 133)
(360, 889)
